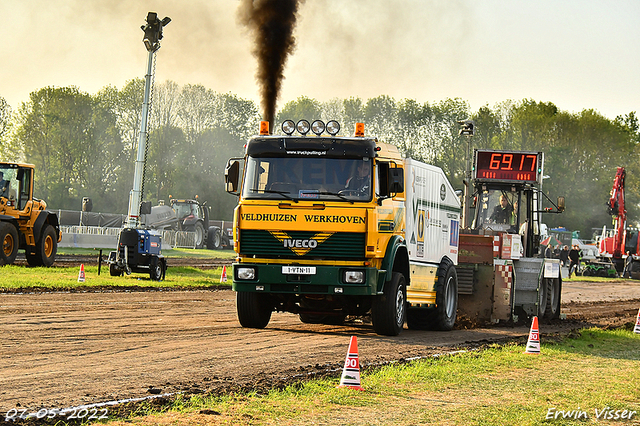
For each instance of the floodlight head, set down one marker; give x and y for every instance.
(153, 31)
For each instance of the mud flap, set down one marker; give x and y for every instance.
(502, 289)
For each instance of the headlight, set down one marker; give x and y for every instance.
(353, 277)
(333, 127)
(303, 127)
(318, 127)
(244, 273)
(288, 127)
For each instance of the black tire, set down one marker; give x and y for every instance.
(47, 246)
(156, 269)
(198, 228)
(214, 239)
(543, 295)
(114, 271)
(10, 243)
(552, 309)
(254, 309)
(389, 310)
(443, 317)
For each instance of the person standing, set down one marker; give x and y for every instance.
(574, 255)
(564, 255)
(627, 266)
(548, 253)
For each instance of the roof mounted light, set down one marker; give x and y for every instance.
(359, 129)
(333, 127)
(264, 128)
(288, 127)
(317, 127)
(303, 127)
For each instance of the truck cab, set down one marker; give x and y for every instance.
(324, 229)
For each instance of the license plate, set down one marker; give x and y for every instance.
(299, 270)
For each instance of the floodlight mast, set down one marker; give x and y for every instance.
(152, 36)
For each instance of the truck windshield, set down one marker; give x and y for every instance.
(302, 178)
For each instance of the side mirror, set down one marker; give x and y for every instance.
(232, 176)
(396, 180)
(560, 204)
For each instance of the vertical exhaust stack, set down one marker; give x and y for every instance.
(271, 22)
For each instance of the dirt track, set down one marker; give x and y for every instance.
(65, 349)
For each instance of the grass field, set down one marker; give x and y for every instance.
(19, 277)
(66, 278)
(589, 378)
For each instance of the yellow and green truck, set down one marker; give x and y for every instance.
(330, 226)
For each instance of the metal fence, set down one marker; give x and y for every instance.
(100, 237)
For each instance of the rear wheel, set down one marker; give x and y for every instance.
(552, 310)
(388, 311)
(156, 269)
(254, 309)
(10, 243)
(443, 317)
(543, 293)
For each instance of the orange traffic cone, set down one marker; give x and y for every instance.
(637, 327)
(81, 274)
(533, 344)
(223, 276)
(351, 371)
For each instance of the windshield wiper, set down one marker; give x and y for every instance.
(342, 197)
(270, 191)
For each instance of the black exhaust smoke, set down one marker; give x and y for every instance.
(271, 23)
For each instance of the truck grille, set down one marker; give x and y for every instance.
(339, 245)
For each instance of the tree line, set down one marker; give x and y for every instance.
(85, 145)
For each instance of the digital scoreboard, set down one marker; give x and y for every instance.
(511, 166)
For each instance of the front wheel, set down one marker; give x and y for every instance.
(199, 230)
(114, 271)
(388, 310)
(254, 309)
(214, 239)
(46, 247)
(10, 243)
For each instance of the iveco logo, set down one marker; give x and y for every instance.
(300, 246)
(290, 243)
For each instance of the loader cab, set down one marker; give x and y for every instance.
(15, 185)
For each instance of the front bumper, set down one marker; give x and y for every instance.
(327, 280)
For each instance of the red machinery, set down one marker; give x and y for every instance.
(623, 241)
(614, 246)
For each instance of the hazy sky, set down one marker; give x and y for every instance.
(576, 54)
